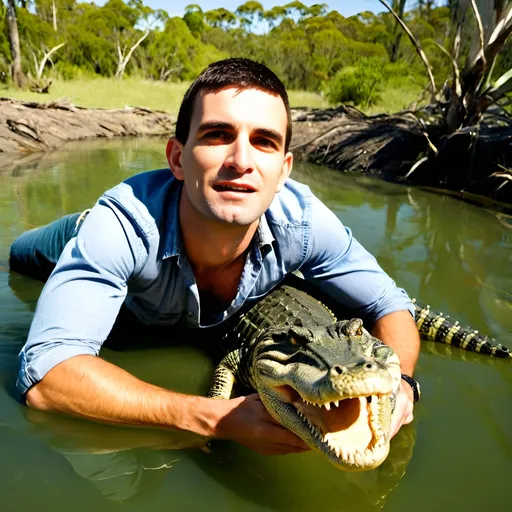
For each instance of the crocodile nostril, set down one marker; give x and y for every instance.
(370, 366)
(339, 369)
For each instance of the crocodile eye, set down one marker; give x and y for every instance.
(359, 331)
(293, 341)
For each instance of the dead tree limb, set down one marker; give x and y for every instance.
(39, 67)
(124, 59)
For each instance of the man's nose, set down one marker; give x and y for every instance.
(240, 155)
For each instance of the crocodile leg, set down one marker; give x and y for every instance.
(224, 378)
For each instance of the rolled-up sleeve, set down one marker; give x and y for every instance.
(345, 270)
(81, 299)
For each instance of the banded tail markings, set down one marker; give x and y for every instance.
(437, 327)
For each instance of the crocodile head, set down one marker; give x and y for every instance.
(335, 387)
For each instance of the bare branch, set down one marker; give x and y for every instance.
(416, 165)
(480, 32)
(123, 61)
(457, 39)
(456, 73)
(46, 56)
(416, 44)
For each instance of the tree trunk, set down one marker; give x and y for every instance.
(18, 77)
(54, 15)
(399, 7)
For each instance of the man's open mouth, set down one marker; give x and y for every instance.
(233, 188)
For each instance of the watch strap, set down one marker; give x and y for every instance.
(414, 385)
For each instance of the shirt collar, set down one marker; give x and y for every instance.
(171, 244)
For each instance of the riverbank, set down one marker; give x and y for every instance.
(343, 138)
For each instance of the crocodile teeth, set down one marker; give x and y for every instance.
(336, 403)
(327, 406)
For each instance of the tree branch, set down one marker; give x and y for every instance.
(480, 31)
(46, 56)
(416, 44)
(122, 64)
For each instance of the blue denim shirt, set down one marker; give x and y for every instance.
(129, 249)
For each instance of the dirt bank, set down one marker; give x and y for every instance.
(29, 127)
(343, 138)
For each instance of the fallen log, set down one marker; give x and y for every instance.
(27, 127)
(407, 148)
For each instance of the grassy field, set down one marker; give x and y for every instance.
(112, 93)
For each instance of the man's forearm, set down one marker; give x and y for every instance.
(90, 387)
(399, 331)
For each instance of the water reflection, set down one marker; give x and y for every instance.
(445, 252)
(127, 465)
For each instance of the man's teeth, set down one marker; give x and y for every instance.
(239, 189)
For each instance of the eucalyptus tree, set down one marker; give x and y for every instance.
(220, 18)
(18, 77)
(399, 7)
(194, 18)
(249, 13)
(274, 16)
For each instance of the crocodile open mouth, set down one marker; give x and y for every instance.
(348, 428)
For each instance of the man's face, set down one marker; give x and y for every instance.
(233, 162)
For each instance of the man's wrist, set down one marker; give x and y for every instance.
(412, 387)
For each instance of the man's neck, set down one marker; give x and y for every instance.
(211, 245)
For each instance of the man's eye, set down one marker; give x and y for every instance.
(265, 143)
(218, 135)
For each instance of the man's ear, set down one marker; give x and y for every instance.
(287, 169)
(173, 151)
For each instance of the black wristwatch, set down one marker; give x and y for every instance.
(414, 385)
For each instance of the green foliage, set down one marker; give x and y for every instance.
(195, 22)
(310, 48)
(359, 85)
(174, 54)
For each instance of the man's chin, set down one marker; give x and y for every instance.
(235, 218)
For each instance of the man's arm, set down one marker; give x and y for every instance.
(95, 389)
(60, 370)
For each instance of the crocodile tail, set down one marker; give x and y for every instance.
(437, 327)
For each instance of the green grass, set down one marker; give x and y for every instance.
(397, 96)
(109, 93)
(112, 93)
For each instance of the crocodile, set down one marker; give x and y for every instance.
(328, 381)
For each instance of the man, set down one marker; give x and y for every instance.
(190, 248)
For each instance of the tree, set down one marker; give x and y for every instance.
(399, 7)
(194, 18)
(220, 18)
(248, 13)
(274, 16)
(18, 77)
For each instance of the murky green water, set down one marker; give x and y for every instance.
(456, 456)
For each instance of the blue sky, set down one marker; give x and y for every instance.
(344, 7)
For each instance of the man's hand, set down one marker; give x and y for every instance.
(249, 423)
(403, 413)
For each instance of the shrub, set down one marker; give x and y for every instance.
(359, 85)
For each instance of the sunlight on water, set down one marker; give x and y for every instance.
(456, 456)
